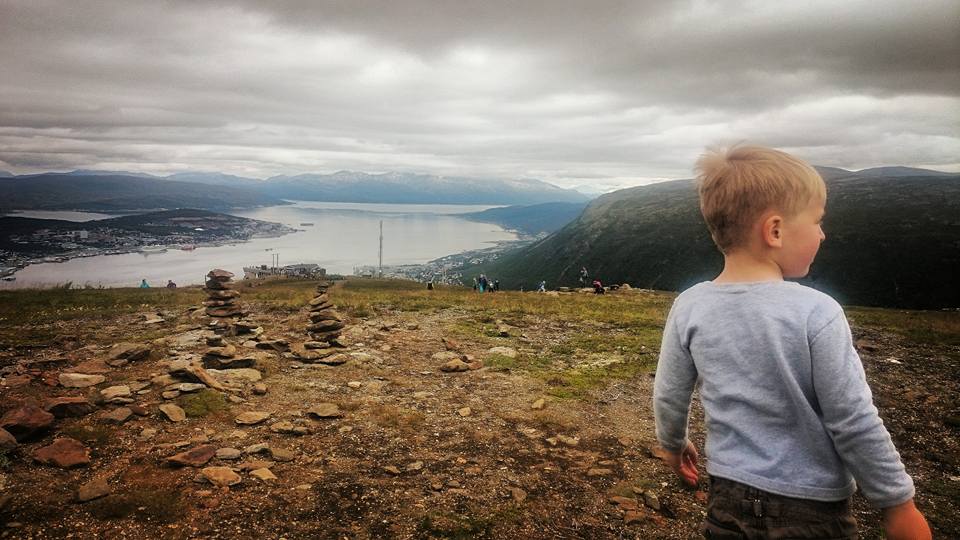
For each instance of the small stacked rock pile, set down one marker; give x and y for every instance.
(221, 300)
(222, 355)
(324, 330)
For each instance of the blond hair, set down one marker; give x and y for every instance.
(738, 184)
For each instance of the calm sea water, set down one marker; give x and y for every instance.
(343, 235)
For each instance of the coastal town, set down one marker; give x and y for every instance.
(30, 241)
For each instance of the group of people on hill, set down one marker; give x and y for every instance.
(145, 285)
(484, 284)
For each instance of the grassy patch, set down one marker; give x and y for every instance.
(921, 327)
(397, 418)
(203, 403)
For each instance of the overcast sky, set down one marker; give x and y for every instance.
(602, 93)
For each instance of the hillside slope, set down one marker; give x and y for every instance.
(891, 241)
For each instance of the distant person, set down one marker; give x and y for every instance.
(474, 283)
(144, 284)
(584, 276)
(171, 284)
(791, 428)
(542, 287)
(482, 282)
(496, 285)
(598, 287)
(430, 285)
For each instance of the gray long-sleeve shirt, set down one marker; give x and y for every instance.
(787, 405)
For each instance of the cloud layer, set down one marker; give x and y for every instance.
(602, 93)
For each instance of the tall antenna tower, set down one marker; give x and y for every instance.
(380, 270)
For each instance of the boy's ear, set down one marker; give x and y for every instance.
(772, 231)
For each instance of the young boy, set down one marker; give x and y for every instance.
(789, 416)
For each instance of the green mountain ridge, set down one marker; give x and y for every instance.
(892, 241)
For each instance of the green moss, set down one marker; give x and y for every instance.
(203, 403)
(96, 435)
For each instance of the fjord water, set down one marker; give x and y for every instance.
(343, 235)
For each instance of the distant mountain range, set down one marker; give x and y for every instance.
(83, 189)
(893, 239)
(117, 193)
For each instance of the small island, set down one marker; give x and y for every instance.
(29, 241)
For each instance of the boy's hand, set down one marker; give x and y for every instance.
(905, 522)
(684, 463)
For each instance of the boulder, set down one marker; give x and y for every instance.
(70, 406)
(26, 421)
(111, 393)
(325, 410)
(64, 452)
(79, 380)
(263, 474)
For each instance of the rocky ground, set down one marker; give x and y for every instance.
(454, 415)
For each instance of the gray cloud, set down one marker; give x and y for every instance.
(610, 92)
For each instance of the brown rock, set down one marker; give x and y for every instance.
(455, 366)
(626, 503)
(80, 380)
(260, 389)
(518, 494)
(7, 441)
(221, 476)
(325, 315)
(94, 489)
(450, 344)
(227, 351)
(121, 353)
(65, 407)
(225, 311)
(325, 410)
(325, 326)
(222, 294)
(634, 516)
(264, 475)
(319, 300)
(117, 416)
(64, 452)
(26, 421)
(173, 412)
(218, 274)
(16, 381)
(251, 418)
(195, 457)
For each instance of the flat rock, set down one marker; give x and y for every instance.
(251, 418)
(221, 476)
(229, 453)
(173, 412)
(112, 392)
(195, 457)
(117, 416)
(464, 412)
(254, 464)
(260, 389)
(227, 351)
(539, 404)
(219, 274)
(170, 394)
(259, 448)
(503, 351)
(64, 452)
(94, 489)
(282, 454)
(455, 366)
(599, 472)
(316, 345)
(26, 421)
(233, 376)
(263, 474)
(325, 410)
(122, 353)
(66, 407)
(79, 380)
(215, 362)
(186, 387)
(288, 428)
(444, 356)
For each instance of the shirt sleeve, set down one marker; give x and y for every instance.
(854, 425)
(673, 387)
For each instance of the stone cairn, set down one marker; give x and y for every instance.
(221, 303)
(324, 330)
